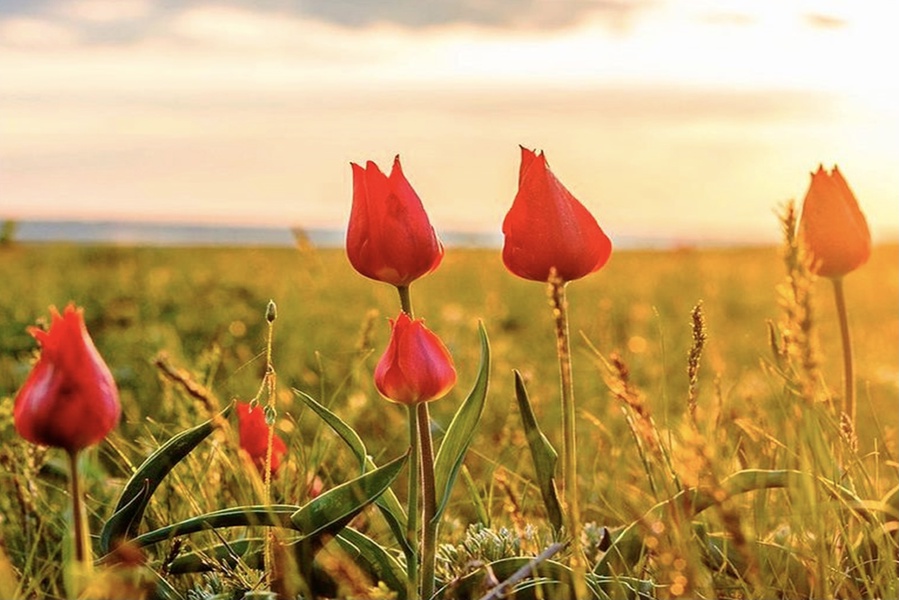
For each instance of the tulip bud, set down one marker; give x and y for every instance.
(69, 399)
(389, 237)
(416, 367)
(547, 227)
(832, 226)
(253, 432)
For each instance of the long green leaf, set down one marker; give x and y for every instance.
(387, 502)
(374, 559)
(337, 425)
(135, 496)
(277, 515)
(461, 430)
(249, 550)
(335, 508)
(542, 452)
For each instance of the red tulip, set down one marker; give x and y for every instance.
(389, 238)
(547, 227)
(416, 367)
(69, 399)
(832, 226)
(253, 433)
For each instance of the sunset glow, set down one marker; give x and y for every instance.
(674, 119)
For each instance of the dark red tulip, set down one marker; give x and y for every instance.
(547, 227)
(832, 226)
(253, 433)
(389, 237)
(416, 367)
(69, 399)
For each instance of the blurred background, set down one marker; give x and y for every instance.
(678, 120)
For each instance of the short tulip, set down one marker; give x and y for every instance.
(416, 367)
(548, 228)
(389, 237)
(253, 433)
(832, 226)
(69, 399)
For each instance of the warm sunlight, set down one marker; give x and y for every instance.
(135, 109)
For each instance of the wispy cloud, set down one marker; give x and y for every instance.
(253, 111)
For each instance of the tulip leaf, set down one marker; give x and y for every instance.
(346, 433)
(248, 550)
(135, 496)
(276, 515)
(387, 502)
(543, 454)
(335, 508)
(374, 559)
(461, 430)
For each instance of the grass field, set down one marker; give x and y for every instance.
(204, 309)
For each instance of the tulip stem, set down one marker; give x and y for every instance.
(405, 299)
(414, 517)
(559, 304)
(416, 475)
(429, 501)
(849, 403)
(80, 533)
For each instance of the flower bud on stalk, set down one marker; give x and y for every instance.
(253, 432)
(832, 226)
(69, 399)
(389, 237)
(547, 227)
(416, 367)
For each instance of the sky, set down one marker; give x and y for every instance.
(680, 119)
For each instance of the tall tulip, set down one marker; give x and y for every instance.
(416, 367)
(69, 399)
(832, 226)
(547, 227)
(254, 435)
(835, 233)
(551, 237)
(389, 237)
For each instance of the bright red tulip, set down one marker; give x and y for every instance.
(389, 238)
(254, 437)
(547, 227)
(832, 226)
(416, 367)
(69, 399)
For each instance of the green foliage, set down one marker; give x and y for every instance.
(761, 495)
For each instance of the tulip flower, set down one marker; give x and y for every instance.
(836, 235)
(548, 228)
(832, 226)
(69, 399)
(416, 367)
(389, 237)
(254, 432)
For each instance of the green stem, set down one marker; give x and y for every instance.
(429, 501)
(405, 299)
(80, 533)
(569, 432)
(414, 516)
(413, 524)
(849, 403)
